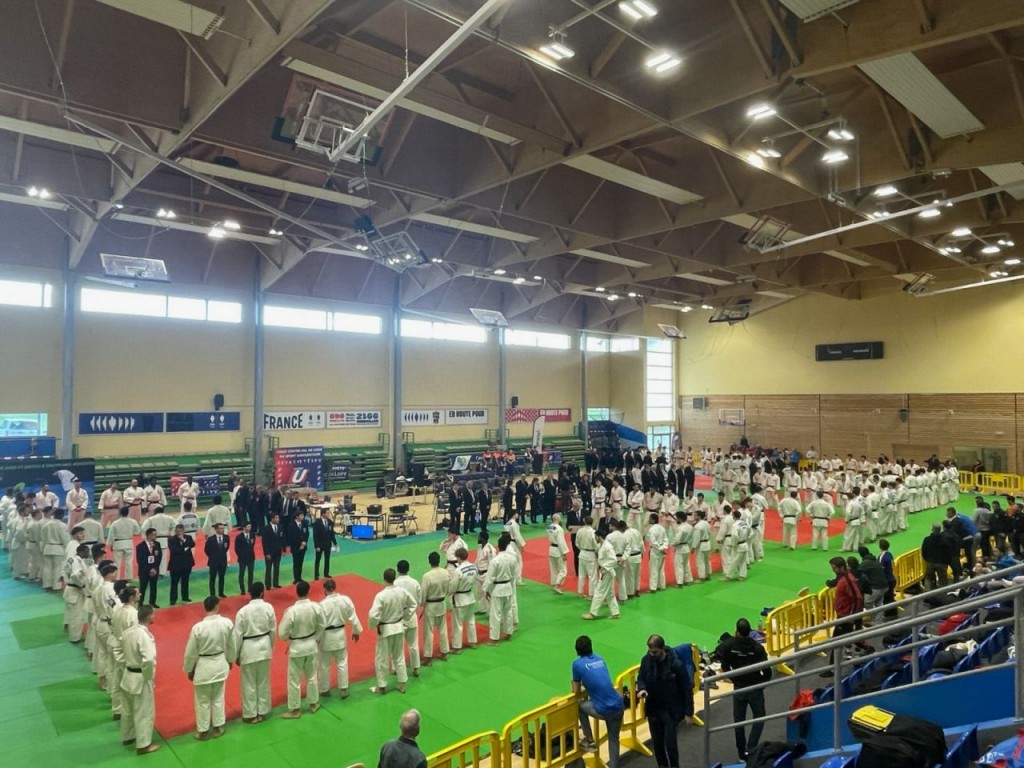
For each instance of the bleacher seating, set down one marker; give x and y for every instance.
(438, 456)
(122, 469)
(964, 750)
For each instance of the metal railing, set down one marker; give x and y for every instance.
(835, 646)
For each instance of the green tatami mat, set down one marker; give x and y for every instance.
(38, 632)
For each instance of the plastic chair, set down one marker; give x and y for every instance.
(898, 678)
(964, 750)
(827, 694)
(784, 761)
(968, 662)
(926, 657)
(840, 762)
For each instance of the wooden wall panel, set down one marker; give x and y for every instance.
(783, 421)
(1020, 433)
(951, 420)
(866, 425)
(701, 428)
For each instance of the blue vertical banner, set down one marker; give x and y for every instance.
(301, 466)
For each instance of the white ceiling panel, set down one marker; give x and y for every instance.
(627, 178)
(1006, 173)
(469, 226)
(812, 9)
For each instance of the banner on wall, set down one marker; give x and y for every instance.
(204, 421)
(465, 416)
(27, 475)
(209, 485)
(538, 432)
(526, 415)
(278, 421)
(28, 446)
(300, 466)
(423, 417)
(344, 419)
(337, 472)
(553, 457)
(119, 423)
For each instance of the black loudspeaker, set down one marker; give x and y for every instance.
(218, 401)
(515, 401)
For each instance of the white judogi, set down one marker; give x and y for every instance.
(189, 492)
(122, 617)
(435, 586)
(557, 550)
(658, 539)
(218, 513)
(53, 538)
(635, 501)
(339, 612)
(93, 530)
(681, 539)
(210, 644)
(120, 539)
(463, 581)
(634, 558)
(598, 500)
(820, 511)
(47, 499)
(586, 541)
(74, 597)
(164, 525)
(155, 497)
(604, 593)
(724, 540)
(390, 612)
(501, 585)
(484, 555)
(76, 502)
(789, 511)
(133, 498)
(19, 546)
(902, 506)
(103, 603)
(854, 513)
(412, 623)
(617, 499)
(448, 550)
(740, 550)
(138, 708)
(618, 541)
(93, 581)
(302, 626)
(516, 549)
(110, 503)
(756, 543)
(255, 630)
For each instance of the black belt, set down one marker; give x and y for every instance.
(137, 670)
(255, 637)
(755, 527)
(90, 543)
(304, 637)
(218, 653)
(584, 549)
(339, 626)
(636, 553)
(435, 600)
(128, 539)
(555, 545)
(453, 562)
(506, 581)
(76, 586)
(481, 573)
(463, 591)
(106, 620)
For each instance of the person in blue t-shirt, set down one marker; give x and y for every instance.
(590, 673)
(965, 529)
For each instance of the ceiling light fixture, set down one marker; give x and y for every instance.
(760, 111)
(769, 151)
(613, 297)
(961, 232)
(499, 271)
(999, 273)
(952, 249)
(537, 277)
(840, 133)
(632, 294)
(600, 289)
(834, 156)
(686, 308)
(886, 190)
(663, 62)
(1005, 242)
(1011, 262)
(881, 213)
(557, 50)
(755, 159)
(216, 232)
(706, 306)
(930, 213)
(166, 213)
(233, 225)
(275, 232)
(638, 10)
(436, 260)
(40, 192)
(519, 280)
(990, 250)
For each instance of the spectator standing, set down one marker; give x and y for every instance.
(848, 601)
(590, 673)
(404, 752)
(937, 552)
(739, 651)
(665, 687)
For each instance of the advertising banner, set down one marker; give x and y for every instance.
(538, 432)
(278, 421)
(423, 417)
(300, 466)
(27, 475)
(527, 415)
(204, 421)
(337, 472)
(345, 419)
(465, 416)
(119, 423)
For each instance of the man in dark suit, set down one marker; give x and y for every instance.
(454, 508)
(181, 562)
(483, 503)
(217, 548)
(242, 500)
(245, 552)
(276, 501)
(298, 541)
(521, 490)
(260, 508)
(323, 541)
(468, 501)
(292, 505)
(148, 555)
(273, 544)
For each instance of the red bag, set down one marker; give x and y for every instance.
(952, 622)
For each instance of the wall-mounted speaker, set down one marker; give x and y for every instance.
(218, 401)
(515, 401)
(904, 415)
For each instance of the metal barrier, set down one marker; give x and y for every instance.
(996, 482)
(545, 730)
(783, 624)
(908, 569)
(469, 753)
(634, 716)
(967, 481)
(825, 608)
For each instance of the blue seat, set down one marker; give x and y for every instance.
(901, 677)
(784, 761)
(926, 657)
(840, 762)
(968, 662)
(827, 694)
(964, 750)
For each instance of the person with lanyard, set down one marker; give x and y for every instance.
(150, 554)
(302, 626)
(181, 563)
(217, 549)
(245, 553)
(254, 632)
(339, 612)
(138, 702)
(590, 675)
(463, 582)
(392, 608)
(208, 655)
(163, 524)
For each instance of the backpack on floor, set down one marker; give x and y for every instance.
(906, 742)
(766, 753)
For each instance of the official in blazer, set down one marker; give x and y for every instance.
(149, 555)
(273, 545)
(324, 541)
(218, 548)
(245, 553)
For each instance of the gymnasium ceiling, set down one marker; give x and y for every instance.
(590, 177)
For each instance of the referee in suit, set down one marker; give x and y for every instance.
(217, 548)
(245, 553)
(323, 541)
(273, 545)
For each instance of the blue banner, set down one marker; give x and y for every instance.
(28, 475)
(554, 458)
(301, 466)
(28, 446)
(337, 472)
(204, 421)
(119, 423)
(209, 485)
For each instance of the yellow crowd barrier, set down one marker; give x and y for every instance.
(967, 480)
(550, 728)
(825, 605)
(997, 482)
(469, 753)
(908, 569)
(781, 623)
(634, 716)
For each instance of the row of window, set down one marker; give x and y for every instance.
(159, 305)
(660, 380)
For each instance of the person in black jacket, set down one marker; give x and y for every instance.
(298, 540)
(324, 541)
(181, 562)
(665, 687)
(273, 545)
(454, 509)
(245, 552)
(468, 501)
(507, 494)
(259, 509)
(936, 553)
(483, 504)
(148, 555)
(243, 497)
(217, 548)
(521, 490)
(741, 650)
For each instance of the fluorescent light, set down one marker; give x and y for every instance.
(632, 294)
(6, 197)
(998, 273)
(436, 260)
(172, 13)
(1005, 243)
(1011, 262)
(913, 85)
(537, 277)
(663, 61)
(600, 289)
(118, 206)
(519, 280)
(201, 229)
(886, 190)
(961, 232)
(499, 271)
(362, 247)
(952, 249)
(760, 111)
(706, 306)
(41, 193)
(166, 213)
(275, 232)
(881, 213)
(704, 278)
(479, 229)
(557, 51)
(930, 213)
(638, 9)
(834, 156)
(216, 233)
(840, 134)
(990, 250)
(755, 159)
(610, 257)
(769, 152)
(613, 297)
(627, 178)
(233, 225)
